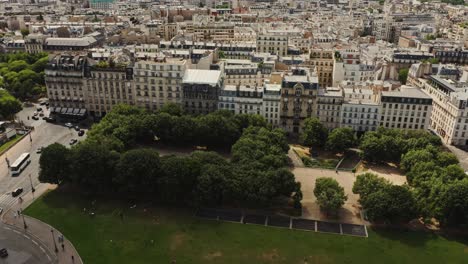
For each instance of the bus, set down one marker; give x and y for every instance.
(18, 166)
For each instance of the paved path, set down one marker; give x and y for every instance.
(41, 231)
(296, 161)
(461, 155)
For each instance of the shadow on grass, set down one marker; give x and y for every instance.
(417, 239)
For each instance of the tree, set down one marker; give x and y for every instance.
(25, 32)
(40, 65)
(393, 204)
(314, 133)
(17, 65)
(214, 185)
(340, 139)
(40, 17)
(452, 208)
(94, 167)
(445, 159)
(179, 178)
(409, 159)
(138, 171)
(403, 75)
(430, 37)
(55, 164)
(367, 184)
(172, 109)
(9, 105)
(330, 195)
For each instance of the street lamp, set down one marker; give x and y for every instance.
(32, 187)
(53, 238)
(24, 221)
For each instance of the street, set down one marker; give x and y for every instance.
(43, 135)
(22, 248)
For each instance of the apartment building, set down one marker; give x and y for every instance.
(276, 44)
(241, 99)
(360, 110)
(298, 99)
(407, 108)
(449, 118)
(201, 89)
(215, 31)
(329, 104)
(322, 60)
(271, 109)
(159, 81)
(64, 80)
(107, 86)
(243, 72)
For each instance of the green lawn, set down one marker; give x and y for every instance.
(12, 141)
(161, 235)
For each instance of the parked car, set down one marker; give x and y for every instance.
(80, 133)
(41, 114)
(35, 114)
(39, 150)
(1, 210)
(35, 118)
(3, 253)
(69, 125)
(50, 119)
(73, 141)
(77, 128)
(17, 192)
(39, 109)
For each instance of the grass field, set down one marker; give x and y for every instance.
(10, 143)
(163, 235)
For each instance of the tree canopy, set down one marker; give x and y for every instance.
(341, 139)
(330, 195)
(314, 133)
(9, 105)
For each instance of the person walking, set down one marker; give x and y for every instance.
(73, 259)
(63, 247)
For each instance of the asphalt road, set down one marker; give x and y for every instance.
(22, 248)
(43, 135)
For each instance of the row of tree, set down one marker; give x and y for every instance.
(9, 105)
(316, 134)
(256, 176)
(23, 74)
(126, 126)
(388, 145)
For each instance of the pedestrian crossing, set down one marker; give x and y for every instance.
(7, 200)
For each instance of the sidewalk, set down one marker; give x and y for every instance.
(48, 235)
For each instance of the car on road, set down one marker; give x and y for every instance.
(77, 128)
(35, 118)
(44, 103)
(49, 119)
(39, 109)
(69, 125)
(35, 114)
(41, 114)
(1, 210)
(39, 150)
(3, 253)
(80, 133)
(17, 192)
(73, 141)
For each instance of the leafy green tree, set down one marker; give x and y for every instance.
(18, 65)
(314, 133)
(214, 187)
(445, 159)
(403, 75)
(422, 172)
(138, 171)
(394, 204)
(453, 204)
(9, 105)
(39, 65)
(25, 32)
(94, 166)
(367, 184)
(341, 139)
(172, 109)
(179, 178)
(409, 159)
(55, 164)
(330, 195)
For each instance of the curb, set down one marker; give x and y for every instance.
(49, 252)
(78, 257)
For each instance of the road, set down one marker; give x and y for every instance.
(22, 247)
(43, 135)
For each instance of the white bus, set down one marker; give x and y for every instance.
(18, 166)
